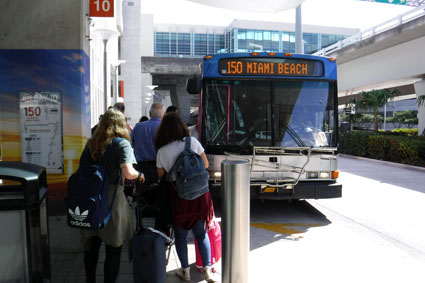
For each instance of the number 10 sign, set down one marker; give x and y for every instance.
(101, 8)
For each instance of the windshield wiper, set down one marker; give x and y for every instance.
(293, 134)
(252, 131)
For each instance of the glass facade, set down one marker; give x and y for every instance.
(188, 44)
(277, 41)
(238, 40)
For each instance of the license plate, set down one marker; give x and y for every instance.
(269, 189)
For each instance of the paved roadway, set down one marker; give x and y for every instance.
(374, 233)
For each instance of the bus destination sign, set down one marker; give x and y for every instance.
(290, 67)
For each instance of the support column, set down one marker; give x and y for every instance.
(420, 90)
(183, 103)
(105, 75)
(299, 44)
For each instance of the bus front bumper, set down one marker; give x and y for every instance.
(303, 190)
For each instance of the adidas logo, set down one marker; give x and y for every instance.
(77, 215)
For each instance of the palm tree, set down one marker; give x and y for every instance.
(373, 100)
(421, 100)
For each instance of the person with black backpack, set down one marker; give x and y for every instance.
(111, 138)
(181, 161)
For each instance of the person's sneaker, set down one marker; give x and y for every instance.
(183, 274)
(208, 274)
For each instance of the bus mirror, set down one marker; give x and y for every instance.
(194, 85)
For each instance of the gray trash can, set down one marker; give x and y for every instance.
(345, 127)
(24, 235)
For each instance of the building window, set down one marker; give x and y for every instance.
(219, 43)
(310, 43)
(259, 35)
(173, 43)
(184, 44)
(162, 43)
(181, 44)
(275, 41)
(329, 39)
(200, 44)
(288, 42)
(210, 44)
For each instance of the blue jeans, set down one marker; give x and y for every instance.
(201, 236)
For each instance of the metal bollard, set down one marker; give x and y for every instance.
(235, 219)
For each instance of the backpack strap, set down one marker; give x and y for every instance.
(103, 159)
(108, 150)
(171, 176)
(187, 145)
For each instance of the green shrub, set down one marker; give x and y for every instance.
(405, 132)
(394, 151)
(377, 146)
(354, 143)
(396, 147)
(408, 154)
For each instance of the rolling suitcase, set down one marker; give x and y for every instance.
(149, 258)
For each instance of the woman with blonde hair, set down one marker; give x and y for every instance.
(119, 165)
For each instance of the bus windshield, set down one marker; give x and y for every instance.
(269, 113)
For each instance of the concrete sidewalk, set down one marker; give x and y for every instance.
(271, 252)
(67, 264)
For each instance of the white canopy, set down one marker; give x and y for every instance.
(262, 6)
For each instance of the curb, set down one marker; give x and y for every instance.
(388, 163)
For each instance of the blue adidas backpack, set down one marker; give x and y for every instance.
(189, 174)
(88, 198)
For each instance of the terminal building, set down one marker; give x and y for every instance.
(241, 36)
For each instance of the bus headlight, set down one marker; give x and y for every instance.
(215, 176)
(312, 175)
(325, 175)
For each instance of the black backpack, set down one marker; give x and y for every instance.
(189, 174)
(88, 198)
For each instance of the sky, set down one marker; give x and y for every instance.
(336, 13)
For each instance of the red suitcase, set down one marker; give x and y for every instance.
(215, 241)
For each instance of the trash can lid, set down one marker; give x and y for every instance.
(20, 171)
(31, 178)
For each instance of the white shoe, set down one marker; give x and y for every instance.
(208, 274)
(183, 274)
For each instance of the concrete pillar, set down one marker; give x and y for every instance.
(44, 24)
(131, 52)
(420, 90)
(44, 53)
(299, 44)
(183, 101)
(146, 88)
